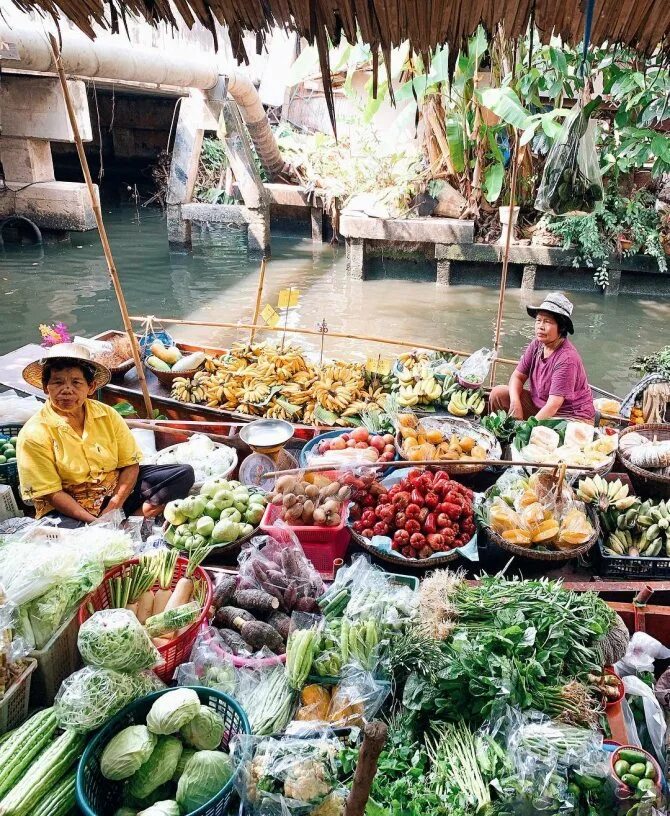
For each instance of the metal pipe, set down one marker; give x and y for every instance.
(104, 59)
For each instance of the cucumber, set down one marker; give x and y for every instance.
(621, 767)
(630, 780)
(631, 755)
(638, 769)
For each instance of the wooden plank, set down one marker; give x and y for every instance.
(240, 157)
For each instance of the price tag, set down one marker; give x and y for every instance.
(270, 316)
(378, 365)
(288, 298)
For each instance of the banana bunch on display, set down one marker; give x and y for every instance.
(604, 495)
(417, 386)
(187, 389)
(622, 542)
(656, 526)
(465, 401)
(642, 529)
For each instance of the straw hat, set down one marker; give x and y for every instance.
(66, 352)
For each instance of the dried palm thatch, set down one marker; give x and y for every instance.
(383, 24)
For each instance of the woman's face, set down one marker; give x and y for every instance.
(68, 389)
(546, 328)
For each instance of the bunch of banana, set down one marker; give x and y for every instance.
(658, 532)
(464, 401)
(417, 386)
(337, 386)
(386, 382)
(622, 542)
(188, 390)
(596, 490)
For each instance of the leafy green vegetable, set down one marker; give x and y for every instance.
(173, 710)
(205, 731)
(126, 751)
(158, 769)
(501, 425)
(165, 808)
(205, 774)
(115, 639)
(659, 362)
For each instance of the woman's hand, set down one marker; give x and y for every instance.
(516, 409)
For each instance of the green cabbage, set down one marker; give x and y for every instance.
(173, 710)
(186, 754)
(205, 730)
(165, 808)
(115, 639)
(125, 811)
(205, 775)
(126, 751)
(157, 770)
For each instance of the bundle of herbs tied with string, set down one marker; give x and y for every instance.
(527, 644)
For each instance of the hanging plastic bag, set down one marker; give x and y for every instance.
(571, 181)
(475, 368)
(652, 731)
(642, 651)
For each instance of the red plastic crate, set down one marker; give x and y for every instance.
(175, 652)
(322, 545)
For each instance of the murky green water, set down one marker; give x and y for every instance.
(217, 282)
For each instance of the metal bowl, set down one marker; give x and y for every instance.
(266, 435)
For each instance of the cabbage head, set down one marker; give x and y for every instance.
(173, 710)
(165, 808)
(205, 730)
(125, 811)
(126, 751)
(186, 754)
(157, 770)
(205, 774)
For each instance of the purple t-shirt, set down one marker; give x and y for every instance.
(562, 374)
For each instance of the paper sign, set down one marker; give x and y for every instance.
(378, 365)
(9, 50)
(288, 298)
(270, 316)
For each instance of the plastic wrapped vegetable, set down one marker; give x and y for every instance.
(158, 769)
(126, 751)
(115, 639)
(205, 731)
(173, 619)
(204, 776)
(571, 181)
(165, 808)
(172, 710)
(89, 697)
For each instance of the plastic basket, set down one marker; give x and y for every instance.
(9, 472)
(58, 659)
(322, 545)
(97, 796)
(8, 506)
(630, 567)
(15, 703)
(178, 650)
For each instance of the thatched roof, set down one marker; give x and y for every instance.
(384, 24)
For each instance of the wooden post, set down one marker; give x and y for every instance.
(259, 298)
(374, 739)
(508, 241)
(95, 204)
(184, 163)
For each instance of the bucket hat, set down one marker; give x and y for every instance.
(557, 304)
(70, 353)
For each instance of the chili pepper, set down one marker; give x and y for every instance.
(430, 524)
(413, 511)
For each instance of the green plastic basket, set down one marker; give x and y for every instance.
(97, 796)
(9, 472)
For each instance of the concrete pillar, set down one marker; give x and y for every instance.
(355, 248)
(26, 160)
(443, 272)
(258, 241)
(528, 277)
(316, 216)
(612, 290)
(179, 229)
(184, 166)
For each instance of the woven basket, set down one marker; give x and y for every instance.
(467, 427)
(547, 555)
(168, 377)
(397, 561)
(646, 482)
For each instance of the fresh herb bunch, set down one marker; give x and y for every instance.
(501, 424)
(657, 363)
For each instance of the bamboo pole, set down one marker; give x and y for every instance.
(314, 332)
(259, 297)
(95, 204)
(508, 241)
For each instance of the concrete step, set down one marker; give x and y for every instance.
(419, 230)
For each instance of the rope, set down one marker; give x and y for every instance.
(587, 34)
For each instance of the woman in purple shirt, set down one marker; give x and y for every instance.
(557, 382)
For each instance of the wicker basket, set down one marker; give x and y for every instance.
(646, 482)
(398, 561)
(547, 555)
(463, 427)
(168, 377)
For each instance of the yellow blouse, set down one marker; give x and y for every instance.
(51, 456)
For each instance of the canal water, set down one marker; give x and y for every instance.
(216, 282)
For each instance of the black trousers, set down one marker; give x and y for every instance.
(156, 484)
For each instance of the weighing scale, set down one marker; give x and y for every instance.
(266, 438)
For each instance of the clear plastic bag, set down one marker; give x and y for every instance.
(289, 776)
(210, 665)
(475, 368)
(16, 409)
(571, 181)
(566, 746)
(115, 639)
(278, 565)
(654, 719)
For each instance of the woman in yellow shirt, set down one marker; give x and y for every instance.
(77, 458)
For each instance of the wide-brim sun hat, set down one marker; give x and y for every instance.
(73, 353)
(557, 304)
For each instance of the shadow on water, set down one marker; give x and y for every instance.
(217, 281)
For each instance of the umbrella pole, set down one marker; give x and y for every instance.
(505, 266)
(95, 204)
